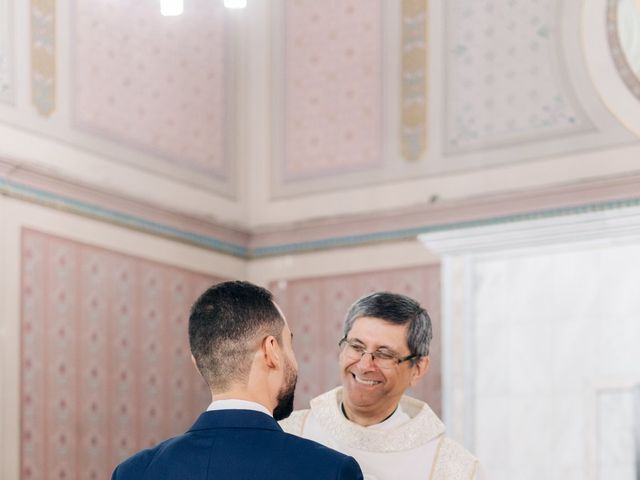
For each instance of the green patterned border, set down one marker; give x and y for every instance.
(25, 192)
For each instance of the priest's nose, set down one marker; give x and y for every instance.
(366, 361)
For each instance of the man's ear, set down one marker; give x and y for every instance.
(271, 351)
(195, 364)
(419, 370)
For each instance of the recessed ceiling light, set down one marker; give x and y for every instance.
(235, 3)
(171, 8)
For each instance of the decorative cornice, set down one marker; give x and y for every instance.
(25, 183)
(589, 222)
(448, 228)
(29, 184)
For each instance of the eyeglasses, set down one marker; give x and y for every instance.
(354, 351)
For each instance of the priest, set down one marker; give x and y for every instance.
(383, 352)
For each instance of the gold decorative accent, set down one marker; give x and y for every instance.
(43, 55)
(414, 79)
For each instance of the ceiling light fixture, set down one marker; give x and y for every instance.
(235, 3)
(171, 8)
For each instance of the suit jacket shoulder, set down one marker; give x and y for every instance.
(136, 465)
(238, 445)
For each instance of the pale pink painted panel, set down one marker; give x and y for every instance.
(315, 309)
(155, 83)
(333, 86)
(123, 348)
(61, 368)
(94, 294)
(34, 251)
(105, 357)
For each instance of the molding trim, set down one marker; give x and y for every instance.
(590, 222)
(439, 225)
(27, 184)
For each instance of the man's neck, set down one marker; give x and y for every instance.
(240, 394)
(365, 417)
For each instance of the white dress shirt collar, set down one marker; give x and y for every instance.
(235, 404)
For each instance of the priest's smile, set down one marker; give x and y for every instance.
(365, 381)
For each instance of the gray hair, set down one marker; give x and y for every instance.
(399, 310)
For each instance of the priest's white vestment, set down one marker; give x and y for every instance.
(409, 445)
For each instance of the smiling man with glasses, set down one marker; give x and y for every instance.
(383, 352)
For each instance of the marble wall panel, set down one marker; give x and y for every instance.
(568, 329)
(315, 309)
(616, 442)
(505, 79)
(158, 84)
(105, 357)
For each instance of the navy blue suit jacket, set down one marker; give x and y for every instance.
(237, 445)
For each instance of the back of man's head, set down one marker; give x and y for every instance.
(226, 326)
(399, 310)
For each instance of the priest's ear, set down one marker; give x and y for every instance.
(419, 370)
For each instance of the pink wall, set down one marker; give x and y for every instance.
(105, 357)
(315, 309)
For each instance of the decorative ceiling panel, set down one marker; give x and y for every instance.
(6, 64)
(505, 78)
(332, 88)
(154, 83)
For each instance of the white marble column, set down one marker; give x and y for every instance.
(540, 317)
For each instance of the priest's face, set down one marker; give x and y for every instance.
(370, 387)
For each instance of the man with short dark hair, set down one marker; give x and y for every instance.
(383, 352)
(241, 344)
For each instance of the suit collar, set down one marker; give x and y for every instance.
(235, 419)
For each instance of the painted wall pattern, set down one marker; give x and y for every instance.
(156, 83)
(505, 80)
(6, 64)
(43, 56)
(414, 79)
(105, 357)
(332, 87)
(315, 310)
